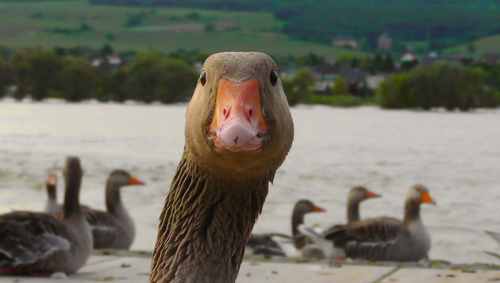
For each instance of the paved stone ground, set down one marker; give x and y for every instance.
(134, 269)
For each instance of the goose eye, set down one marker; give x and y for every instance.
(203, 78)
(273, 78)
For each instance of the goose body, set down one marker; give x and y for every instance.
(387, 239)
(38, 243)
(238, 132)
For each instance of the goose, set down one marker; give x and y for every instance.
(34, 243)
(302, 207)
(318, 246)
(113, 228)
(238, 132)
(388, 239)
(51, 206)
(264, 244)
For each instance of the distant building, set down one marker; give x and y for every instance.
(113, 60)
(355, 79)
(409, 57)
(430, 58)
(373, 82)
(345, 42)
(384, 42)
(322, 87)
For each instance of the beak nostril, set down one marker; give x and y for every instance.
(226, 112)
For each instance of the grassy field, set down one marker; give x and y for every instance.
(75, 22)
(490, 44)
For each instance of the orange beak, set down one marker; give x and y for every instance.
(425, 197)
(52, 180)
(370, 194)
(238, 123)
(318, 209)
(134, 181)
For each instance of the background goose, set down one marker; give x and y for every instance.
(113, 228)
(301, 208)
(238, 132)
(38, 243)
(52, 206)
(264, 244)
(386, 239)
(319, 247)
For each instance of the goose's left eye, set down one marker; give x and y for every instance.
(273, 77)
(203, 78)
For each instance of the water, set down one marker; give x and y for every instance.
(457, 155)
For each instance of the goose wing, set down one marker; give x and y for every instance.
(105, 228)
(378, 229)
(29, 240)
(264, 244)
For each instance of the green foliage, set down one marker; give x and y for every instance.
(209, 27)
(441, 22)
(299, 87)
(82, 28)
(339, 100)
(340, 86)
(6, 76)
(36, 72)
(78, 79)
(153, 27)
(136, 19)
(440, 85)
(153, 77)
(149, 77)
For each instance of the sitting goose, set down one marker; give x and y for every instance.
(302, 207)
(238, 132)
(264, 244)
(113, 228)
(322, 247)
(387, 239)
(38, 243)
(52, 207)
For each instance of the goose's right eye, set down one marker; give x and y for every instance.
(203, 78)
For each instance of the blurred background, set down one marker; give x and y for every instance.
(385, 94)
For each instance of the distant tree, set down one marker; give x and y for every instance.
(299, 87)
(6, 76)
(117, 85)
(388, 64)
(471, 48)
(209, 27)
(340, 86)
(311, 60)
(36, 72)
(106, 50)
(439, 85)
(78, 79)
(154, 77)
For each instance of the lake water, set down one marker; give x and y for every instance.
(457, 155)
